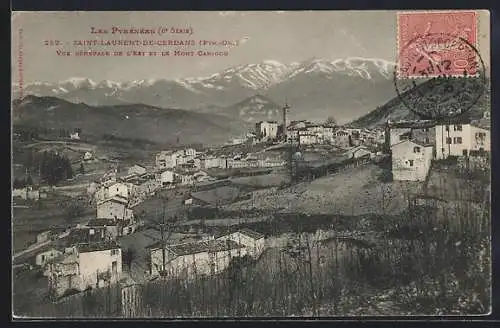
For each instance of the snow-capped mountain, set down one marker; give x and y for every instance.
(310, 86)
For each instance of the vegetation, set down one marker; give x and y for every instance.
(54, 167)
(21, 183)
(425, 264)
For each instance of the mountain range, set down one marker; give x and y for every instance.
(315, 89)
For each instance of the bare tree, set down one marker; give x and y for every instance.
(331, 121)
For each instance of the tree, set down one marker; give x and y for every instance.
(16, 184)
(81, 169)
(129, 257)
(331, 121)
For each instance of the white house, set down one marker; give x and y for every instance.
(209, 162)
(422, 131)
(88, 265)
(185, 178)
(109, 190)
(166, 159)
(74, 136)
(460, 139)
(307, 137)
(411, 161)
(114, 208)
(190, 152)
(165, 177)
(266, 130)
(253, 241)
(28, 193)
(194, 258)
(181, 160)
(324, 134)
(342, 138)
(137, 170)
(41, 259)
(88, 156)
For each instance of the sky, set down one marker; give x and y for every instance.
(281, 36)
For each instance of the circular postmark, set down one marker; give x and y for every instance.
(439, 76)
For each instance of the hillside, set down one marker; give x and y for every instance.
(254, 109)
(396, 110)
(135, 121)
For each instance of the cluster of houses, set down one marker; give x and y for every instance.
(415, 144)
(90, 257)
(205, 257)
(309, 133)
(184, 165)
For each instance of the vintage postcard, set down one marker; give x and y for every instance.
(251, 164)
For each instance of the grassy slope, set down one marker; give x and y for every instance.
(353, 192)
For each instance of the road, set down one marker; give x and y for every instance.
(31, 249)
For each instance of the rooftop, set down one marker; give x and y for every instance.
(66, 258)
(251, 233)
(413, 124)
(115, 199)
(82, 236)
(97, 222)
(196, 247)
(96, 247)
(272, 122)
(412, 141)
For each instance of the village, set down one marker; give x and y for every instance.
(137, 212)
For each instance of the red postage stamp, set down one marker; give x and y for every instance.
(434, 44)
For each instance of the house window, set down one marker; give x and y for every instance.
(457, 140)
(448, 141)
(411, 162)
(416, 149)
(447, 128)
(457, 128)
(426, 140)
(480, 134)
(114, 252)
